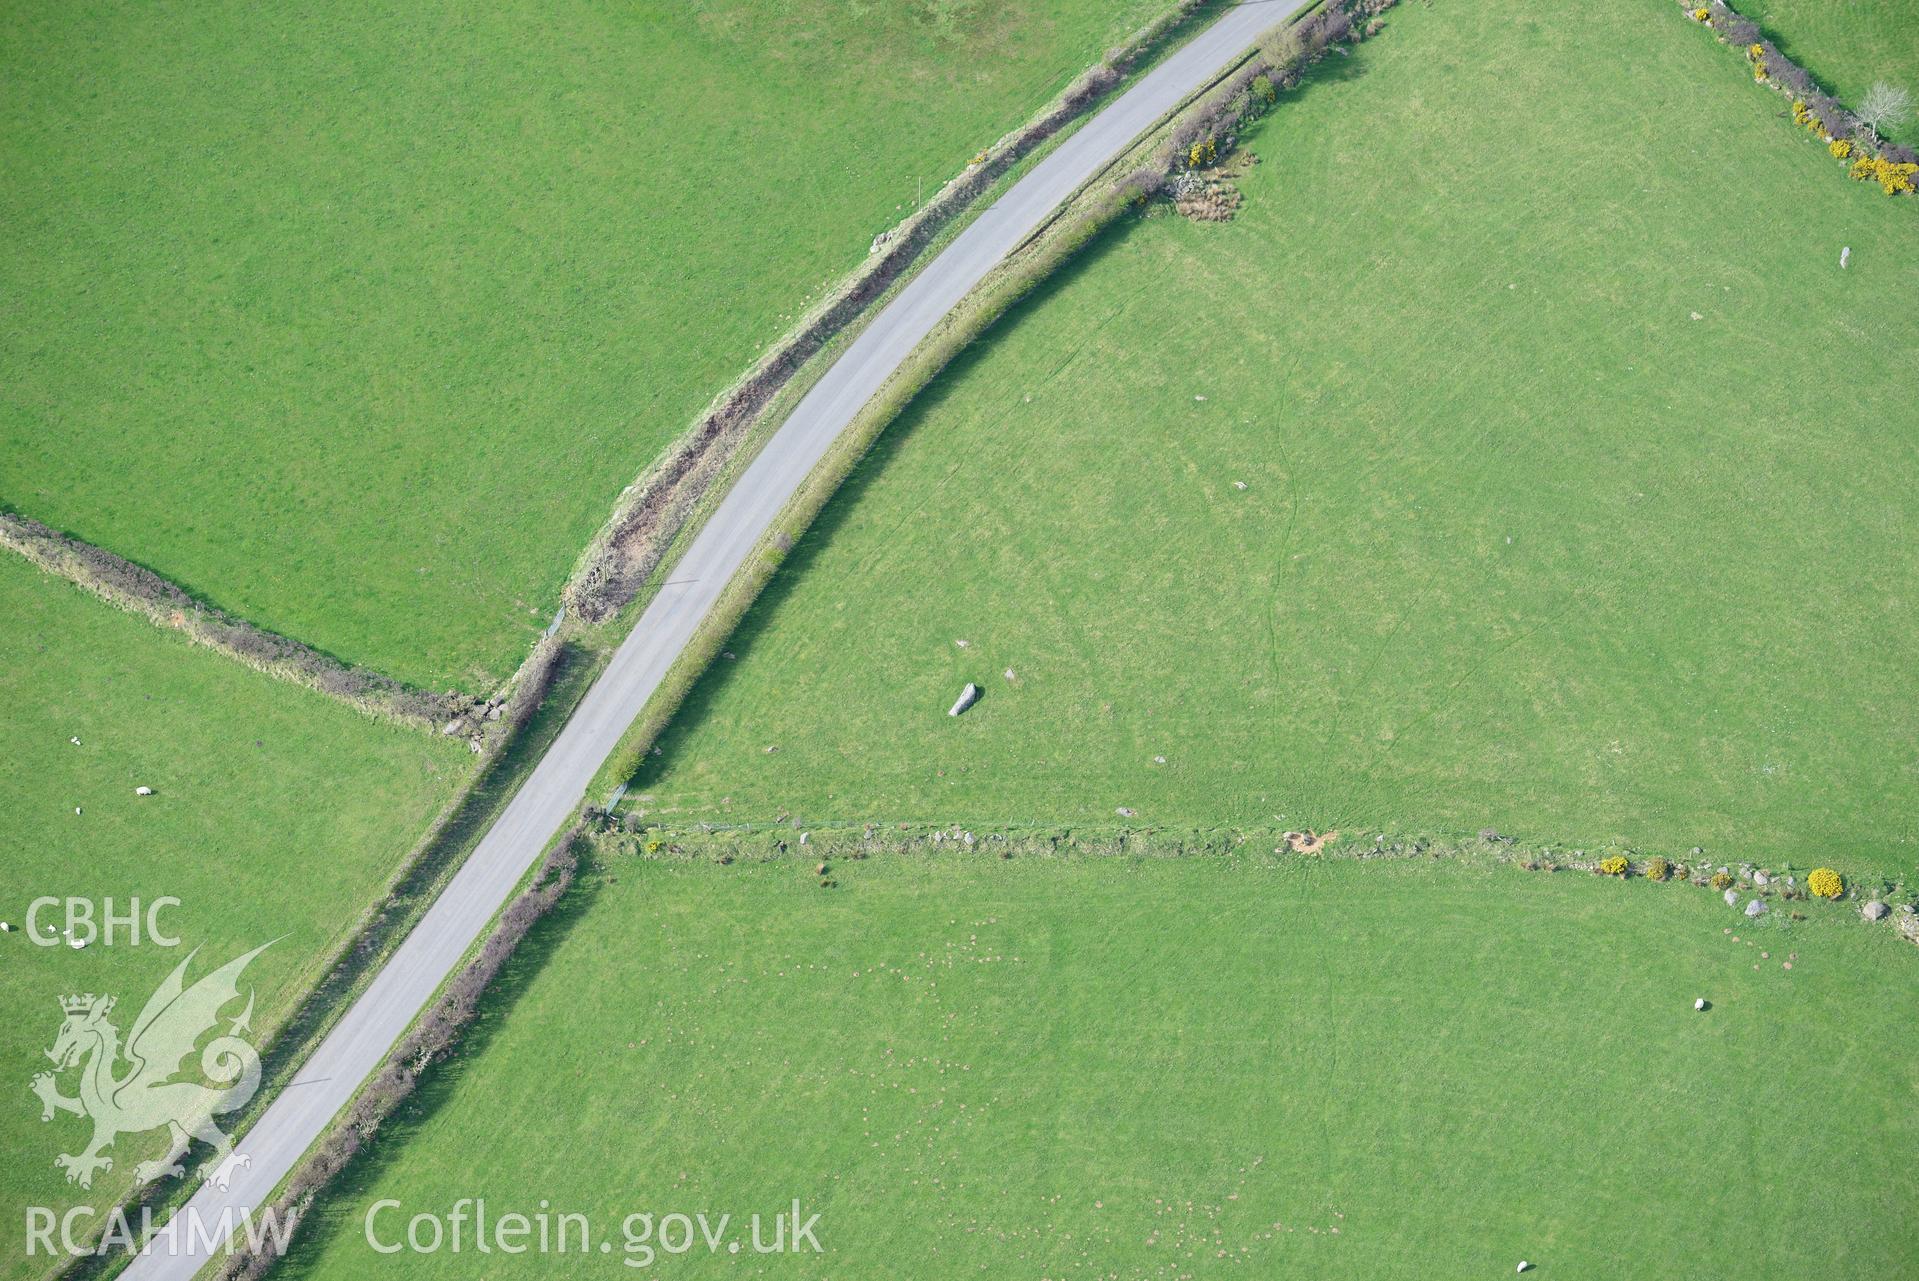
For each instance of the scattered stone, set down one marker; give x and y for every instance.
(820, 870)
(1760, 878)
(1874, 911)
(1697, 316)
(968, 697)
(1755, 908)
(1700, 1004)
(1907, 924)
(76, 944)
(143, 791)
(455, 726)
(76, 809)
(6, 927)
(1732, 898)
(771, 749)
(1009, 674)
(1845, 256)
(1697, 851)
(964, 644)
(1239, 484)
(1124, 812)
(1159, 760)
(75, 740)
(806, 838)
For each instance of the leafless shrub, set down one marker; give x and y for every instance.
(1884, 107)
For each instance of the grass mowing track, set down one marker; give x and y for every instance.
(1214, 1067)
(1577, 493)
(277, 814)
(357, 320)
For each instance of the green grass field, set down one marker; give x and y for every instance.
(1850, 44)
(1181, 1068)
(1520, 457)
(277, 814)
(356, 320)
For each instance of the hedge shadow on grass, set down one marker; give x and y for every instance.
(703, 700)
(334, 1211)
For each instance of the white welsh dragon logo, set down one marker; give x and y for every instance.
(143, 1097)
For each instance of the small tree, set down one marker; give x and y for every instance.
(1884, 107)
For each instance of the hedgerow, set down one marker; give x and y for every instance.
(139, 590)
(1846, 137)
(636, 537)
(433, 1037)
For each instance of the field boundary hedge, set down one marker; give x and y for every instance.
(1777, 883)
(556, 668)
(1093, 212)
(650, 512)
(1847, 138)
(139, 590)
(432, 1037)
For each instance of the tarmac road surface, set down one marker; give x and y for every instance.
(549, 798)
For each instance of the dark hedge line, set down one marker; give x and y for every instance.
(139, 590)
(432, 1039)
(635, 539)
(1788, 77)
(1283, 57)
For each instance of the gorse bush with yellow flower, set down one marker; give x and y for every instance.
(1613, 865)
(1894, 178)
(1895, 168)
(1825, 883)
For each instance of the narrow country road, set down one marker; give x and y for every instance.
(547, 801)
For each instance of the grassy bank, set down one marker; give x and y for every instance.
(355, 323)
(1205, 1067)
(1416, 499)
(277, 814)
(1848, 46)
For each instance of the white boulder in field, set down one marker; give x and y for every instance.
(1699, 1004)
(968, 697)
(143, 791)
